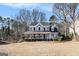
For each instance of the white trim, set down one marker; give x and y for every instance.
(39, 24)
(39, 32)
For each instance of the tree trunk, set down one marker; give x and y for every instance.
(65, 29)
(74, 32)
(2, 33)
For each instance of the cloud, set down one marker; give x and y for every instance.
(44, 6)
(21, 5)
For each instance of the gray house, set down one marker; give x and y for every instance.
(42, 30)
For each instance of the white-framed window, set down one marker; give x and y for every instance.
(38, 28)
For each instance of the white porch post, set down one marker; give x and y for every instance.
(41, 36)
(50, 37)
(30, 36)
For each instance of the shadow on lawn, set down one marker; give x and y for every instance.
(3, 43)
(3, 54)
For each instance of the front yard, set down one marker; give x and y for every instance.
(44, 48)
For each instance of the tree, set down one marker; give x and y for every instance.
(1, 20)
(15, 28)
(74, 14)
(52, 21)
(25, 15)
(35, 15)
(42, 16)
(8, 28)
(61, 11)
(38, 16)
(20, 25)
(68, 11)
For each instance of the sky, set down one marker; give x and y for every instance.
(12, 9)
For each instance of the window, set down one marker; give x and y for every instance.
(44, 28)
(34, 28)
(39, 28)
(55, 29)
(50, 28)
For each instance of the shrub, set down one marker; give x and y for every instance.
(68, 37)
(57, 38)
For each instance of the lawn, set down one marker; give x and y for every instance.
(41, 48)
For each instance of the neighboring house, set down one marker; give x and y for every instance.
(76, 27)
(42, 30)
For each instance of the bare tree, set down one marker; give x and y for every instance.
(15, 28)
(74, 14)
(35, 15)
(42, 16)
(69, 10)
(25, 15)
(20, 25)
(2, 21)
(61, 11)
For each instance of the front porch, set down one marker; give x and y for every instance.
(40, 35)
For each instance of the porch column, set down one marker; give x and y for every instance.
(34, 36)
(29, 36)
(44, 36)
(50, 37)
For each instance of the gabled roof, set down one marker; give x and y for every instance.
(43, 23)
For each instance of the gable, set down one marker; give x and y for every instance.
(39, 25)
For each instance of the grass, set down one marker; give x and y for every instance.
(41, 48)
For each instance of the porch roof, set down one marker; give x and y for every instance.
(39, 32)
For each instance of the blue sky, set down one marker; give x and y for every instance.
(9, 9)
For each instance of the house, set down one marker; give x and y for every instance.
(42, 31)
